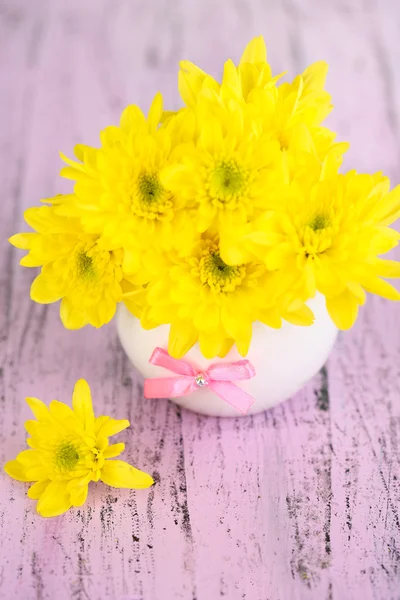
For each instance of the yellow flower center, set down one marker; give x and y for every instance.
(68, 453)
(91, 267)
(84, 266)
(98, 459)
(217, 274)
(319, 221)
(67, 456)
(227, 182)
(150, 199)
(150, 188)
(283, 140)
(317, 235)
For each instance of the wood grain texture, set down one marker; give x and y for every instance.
(299, 503)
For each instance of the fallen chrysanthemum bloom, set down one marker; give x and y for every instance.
(70, 448)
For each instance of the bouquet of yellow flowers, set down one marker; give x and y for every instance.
(229, 211)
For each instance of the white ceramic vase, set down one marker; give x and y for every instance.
(284, 359)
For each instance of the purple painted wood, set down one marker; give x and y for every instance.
(301, 502)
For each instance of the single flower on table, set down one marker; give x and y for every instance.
(69, 448)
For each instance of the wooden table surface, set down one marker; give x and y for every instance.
(301, 502)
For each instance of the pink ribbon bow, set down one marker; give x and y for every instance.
(217, 378)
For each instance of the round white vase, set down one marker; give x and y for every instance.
(284, 359)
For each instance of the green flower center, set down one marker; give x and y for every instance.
(150, 199)
(218, 275)
(84, 265)
(317, 235)
(227, 181)
(150, 189)
(319, 221)
(67, 456)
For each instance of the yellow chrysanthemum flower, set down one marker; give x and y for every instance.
(238, 82)
(208, 301)
(246, 162)
(328, 238)
(291, 113)
(229, 173)
(76, 268)
(119, 193)
(69, 449)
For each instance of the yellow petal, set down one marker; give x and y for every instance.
(243, 343)
(384, 240)
(60, 411)
(113, 450)
(37, 472)
(255, 51)
(59, 198)
(120, 474)
(302, 317)
(271, 318)
(131, 117)
(359, 292)
(190, 80)
(207, 317)
(22, 240)
(182, 336)
(31, 426)
(55, 500)
(343, 309)
(38, 408)
(37, 489)
(82, 403)
(102, 443)
(155, 112)
(29, 458)
(233, 250)
(231, 79)
(71, 317)
(211, 343)
(309, 279)
(374, 285)
(72, 163)
(99, 422)
(43, 291)
(71, 173)
(314, 75)
(388, 209)
(225, 348)
(167, 115)
(278, 256)
(79, 482)
(112, 426)
(387, 268)
(79, 495)
(30, 260)
(230, 322)
(16, 470)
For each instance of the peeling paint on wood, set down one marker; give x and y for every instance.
(301, 502)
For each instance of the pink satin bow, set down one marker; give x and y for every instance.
(217, 378)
